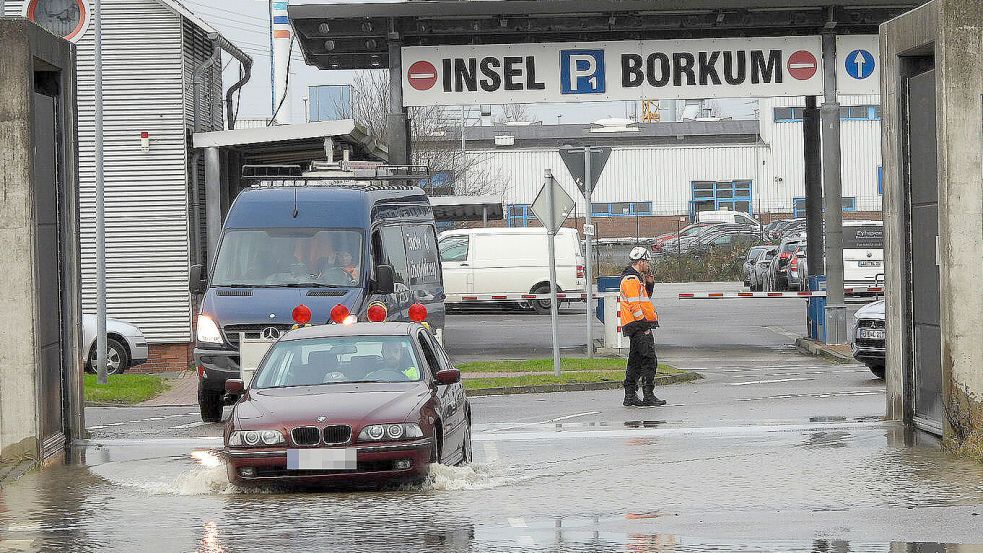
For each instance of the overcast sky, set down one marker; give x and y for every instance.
(246, 23)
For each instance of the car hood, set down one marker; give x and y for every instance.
(353, 404)
(274, 305)
(873, 310)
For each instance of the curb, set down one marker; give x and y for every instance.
(812, 347)
(580, 387)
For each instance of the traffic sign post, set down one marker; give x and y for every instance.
(552, 206)
(586, 177)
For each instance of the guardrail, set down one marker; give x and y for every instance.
(465, 298)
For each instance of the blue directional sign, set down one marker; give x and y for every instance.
(860, 64)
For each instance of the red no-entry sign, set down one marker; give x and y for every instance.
(802, 65)
(422, 75)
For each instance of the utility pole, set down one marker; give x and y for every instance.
(551, 238)
(833, 197)
(101, 345)
(589, 261)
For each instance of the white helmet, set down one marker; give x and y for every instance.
(638, 253)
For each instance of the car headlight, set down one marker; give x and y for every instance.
(390, 432)
(256, 438)
(208, 331)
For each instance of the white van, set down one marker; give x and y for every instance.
(863, 253)
(726, 216)
(509, 261)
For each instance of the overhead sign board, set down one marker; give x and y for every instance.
(858, 64)
(604, 71)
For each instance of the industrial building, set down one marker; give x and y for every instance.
(661, 171)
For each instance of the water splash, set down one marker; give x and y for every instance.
(474, 476)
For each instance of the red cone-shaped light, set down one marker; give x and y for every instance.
(418, 313)
(339, 313)
(377, 313)
(301, 314)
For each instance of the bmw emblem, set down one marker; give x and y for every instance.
(322, 419)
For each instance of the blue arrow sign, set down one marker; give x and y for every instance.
(860, 64)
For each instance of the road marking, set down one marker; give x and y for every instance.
(825, 395)
(782, 331)
(189, 425)
(775, 381)
(568, 417)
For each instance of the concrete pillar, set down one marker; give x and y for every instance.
(833, 194)
(213, 199)
(397, 123)
(814, 186)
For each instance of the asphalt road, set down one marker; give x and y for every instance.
(772, 451)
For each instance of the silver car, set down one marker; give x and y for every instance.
(126, 346)
(867, 337)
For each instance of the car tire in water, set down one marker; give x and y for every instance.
(878, 370)
(542, 307)
(117, 357)
(211, 405)
(467, 451)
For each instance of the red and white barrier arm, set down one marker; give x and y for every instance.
(736, 295)
(465, 298)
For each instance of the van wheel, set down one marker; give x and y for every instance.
(541, 307)
(878, 370)
(210, 404)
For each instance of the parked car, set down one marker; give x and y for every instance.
(863, 252)
(761, 269)
(750, 259)
(868, 336)
(126, 346)
(365, 403)
(510, 261)
(697, 241)
(795, 266)
(768, 231)
(786, 227)
(727, 238)
(687, 231)
(778, 279)
(727, 216)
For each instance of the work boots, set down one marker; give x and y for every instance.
(631, 397)
(649, 399)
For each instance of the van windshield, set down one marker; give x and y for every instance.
(289, 257)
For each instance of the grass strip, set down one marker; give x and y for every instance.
(573, 377)
(124, 389)
(546, 365)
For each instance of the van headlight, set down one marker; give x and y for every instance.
(208, 331)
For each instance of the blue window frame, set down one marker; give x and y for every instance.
(734, 195)
(519, 215)
(847, 113)
(799, 206)
(880, 180)
(621, 209)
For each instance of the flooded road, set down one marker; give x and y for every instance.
(781, 453)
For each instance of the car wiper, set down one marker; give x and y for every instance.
(310, 285)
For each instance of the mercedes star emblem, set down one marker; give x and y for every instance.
(271, 333)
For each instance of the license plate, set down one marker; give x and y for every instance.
(322, 459)
(868, 334)
(870, 263)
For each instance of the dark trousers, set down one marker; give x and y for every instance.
(642, 361)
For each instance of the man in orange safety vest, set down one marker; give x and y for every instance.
(638, 318)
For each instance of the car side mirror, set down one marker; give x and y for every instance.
(197, 281)
(385, 279)
(447, 377)
(235, 386)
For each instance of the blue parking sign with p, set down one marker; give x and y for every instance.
(582, 71)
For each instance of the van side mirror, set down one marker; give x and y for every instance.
(385, 280)
(198, 281)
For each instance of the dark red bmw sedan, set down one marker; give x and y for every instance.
(366, 403)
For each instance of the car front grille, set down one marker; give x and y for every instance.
(337, 434)
(306, 435)
(251, 331)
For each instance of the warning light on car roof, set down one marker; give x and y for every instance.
(339, 313)
(377, 313)
(301, 314)
(418, 313)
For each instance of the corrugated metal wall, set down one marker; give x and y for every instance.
(144, 86)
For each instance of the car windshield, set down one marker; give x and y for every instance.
(789, 247)
(339, 360)
(289, 257)
(693, 230)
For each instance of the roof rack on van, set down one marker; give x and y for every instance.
(348, 171)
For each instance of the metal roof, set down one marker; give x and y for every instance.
(294, 143)
(336, 35)
(466, 208)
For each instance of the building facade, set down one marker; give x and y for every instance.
(158, 85)
(666, 171)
